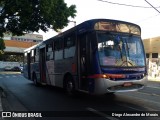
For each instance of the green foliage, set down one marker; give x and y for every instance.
(20, 16)
(2, 46)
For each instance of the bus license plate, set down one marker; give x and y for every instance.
(127, 84)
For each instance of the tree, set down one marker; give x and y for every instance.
(22, 16)
(2, 46)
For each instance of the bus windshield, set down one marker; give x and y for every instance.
(120, 50)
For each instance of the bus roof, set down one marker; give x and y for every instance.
(33, 47)
(91, 25)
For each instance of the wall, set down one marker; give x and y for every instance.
(11, 64)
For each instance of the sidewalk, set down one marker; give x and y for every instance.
(153, 82)
(157, 79)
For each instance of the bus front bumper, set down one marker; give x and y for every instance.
(103, 86)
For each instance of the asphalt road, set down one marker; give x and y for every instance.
(22, 95)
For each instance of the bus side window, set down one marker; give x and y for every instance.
(25, 58)
(58, 49)
(69, 45)
(37, 55)
(49, 50)
(32, 56)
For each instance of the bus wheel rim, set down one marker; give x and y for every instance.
(69, 86)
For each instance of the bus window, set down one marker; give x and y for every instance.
(69, 46)
(114, 50)
(49, 50)
(58, 51)
(37, 55)
(25, 58)
(32, 56)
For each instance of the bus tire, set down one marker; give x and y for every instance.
(35, 80)
(69, 86)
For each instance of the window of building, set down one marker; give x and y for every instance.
(147, 55)
(154, 55)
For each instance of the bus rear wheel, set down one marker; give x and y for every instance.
(69, 86)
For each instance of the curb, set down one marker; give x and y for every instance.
(9, 72)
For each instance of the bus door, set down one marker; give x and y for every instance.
(83, 62)
(42, 65)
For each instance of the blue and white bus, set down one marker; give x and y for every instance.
(97, 56)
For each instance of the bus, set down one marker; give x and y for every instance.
(98, 56)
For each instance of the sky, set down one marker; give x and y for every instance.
(147, 18)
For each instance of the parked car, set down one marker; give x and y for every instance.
(7, 68)
(16, 68)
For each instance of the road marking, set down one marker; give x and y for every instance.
(101, 114)
(4, 76)
(128, 107)
(10, 72)
(143, 100)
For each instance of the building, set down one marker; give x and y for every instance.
(152, 49)
(15, 46)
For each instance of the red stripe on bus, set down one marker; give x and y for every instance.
(107, 76)
(73, 67)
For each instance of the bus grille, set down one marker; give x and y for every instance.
(130, 77)
(125, 88)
